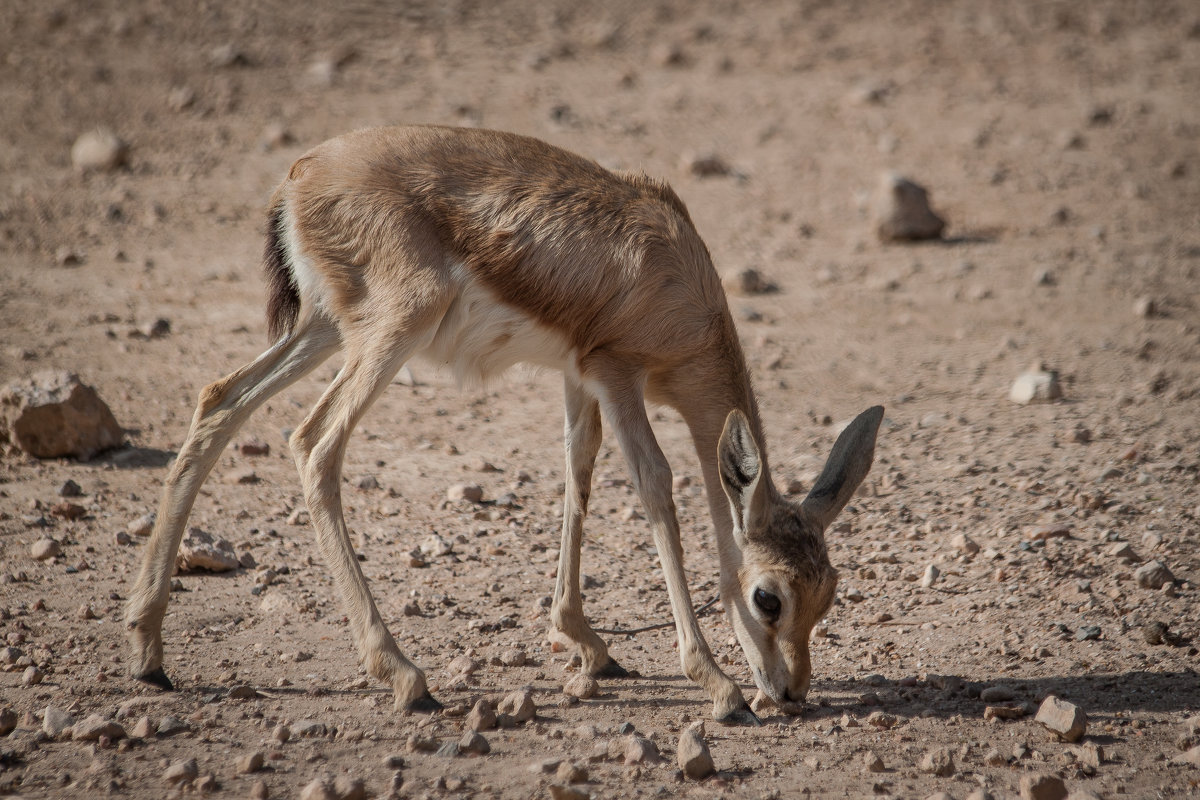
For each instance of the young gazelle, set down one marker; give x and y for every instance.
(481, 250)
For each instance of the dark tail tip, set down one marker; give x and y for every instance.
(283, 301)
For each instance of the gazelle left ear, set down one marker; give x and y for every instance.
(847, 466)
(740, 467)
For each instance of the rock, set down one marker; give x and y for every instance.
(747, 282)
(1190, 756)
(932, 573)
(181, 772)
(201, 550)
(518, 705)
(55, 721)
(32, 676)
(1155, 632)
(448, 750)
(1065, 720)
(142, 526)
(44, 549)
(881, 719)
(581, 686)
(310, 728)
(95, 726)
(561, 792)
(243, 692)
(1145, 307)
(144, 728)
(8, 721)
(997, 694)
(474, 743)
(872, 762)
(420, 743)
(707, 165)
(1089, 754)
(964, 544)
(938, 761)
(994, 758)
(348, 788)
(639, 750)
(249, 764)
(1153, 575)
(52, 415)
(70, 489)
(482, 716)
(902, 211)
(436, 546)
(98, 150)
(569, 772)
(170, 726)
(281, 733)
(1038, 385)
(1124, 551)
(1041, 786)
(693, 756)
(513, 657)
(1006, 712)
(471, 492)
(319, 789)
(254, 447)
(367, 483)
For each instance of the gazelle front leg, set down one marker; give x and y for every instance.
(582, 441)
(319, 446)
(625, 410)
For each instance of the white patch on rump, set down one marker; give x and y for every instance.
(480, 337)
(308, 280)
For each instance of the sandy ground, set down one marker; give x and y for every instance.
(1059, 140)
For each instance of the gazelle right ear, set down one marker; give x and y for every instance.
(740, 466)
(847, 466)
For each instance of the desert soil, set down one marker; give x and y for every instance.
(1060, 142)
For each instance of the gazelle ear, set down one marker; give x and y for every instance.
(847, 465)
(740, 466)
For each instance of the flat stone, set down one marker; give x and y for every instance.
(95, 726)
(1066, 720)
(170, 726)
(470, 492)
(997, 694)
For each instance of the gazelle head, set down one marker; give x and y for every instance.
(784, 582)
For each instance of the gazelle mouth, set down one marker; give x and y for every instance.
(768, 695)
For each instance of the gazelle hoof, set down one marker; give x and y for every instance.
(157, 678)
(425, 704)
(742, 716)
(612, 670)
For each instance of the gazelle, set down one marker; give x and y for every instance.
(481, 250)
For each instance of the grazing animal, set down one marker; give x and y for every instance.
(481, 250)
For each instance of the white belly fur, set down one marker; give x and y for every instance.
(480, 337)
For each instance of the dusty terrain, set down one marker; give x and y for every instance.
(1059, 140)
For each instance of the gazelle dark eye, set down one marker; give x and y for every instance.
(767, 603)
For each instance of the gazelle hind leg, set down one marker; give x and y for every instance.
(319, 446)
(625, 411)
(582, 441)
(223, 407)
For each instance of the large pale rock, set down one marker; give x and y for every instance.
(902, 211)
(99, 150)
(1038, 385)
(694, 758)
(1153, 575)
(201, 550)
(1065, 720)
(52, 415)
(55, 721)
